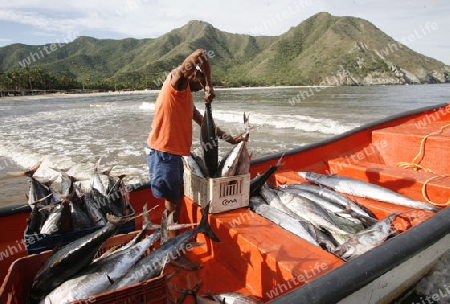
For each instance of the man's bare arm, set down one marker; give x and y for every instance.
(181, 74)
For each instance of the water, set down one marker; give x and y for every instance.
(74, 131)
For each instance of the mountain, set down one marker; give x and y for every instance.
(323, 49)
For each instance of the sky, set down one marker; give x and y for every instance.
(422, 25)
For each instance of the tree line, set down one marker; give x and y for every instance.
(30, 80)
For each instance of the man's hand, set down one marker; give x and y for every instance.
(209, 94)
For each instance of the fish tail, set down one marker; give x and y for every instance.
(204, 226)
(30, 172)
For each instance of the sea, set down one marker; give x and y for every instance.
(72, 132)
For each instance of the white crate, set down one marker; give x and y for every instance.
(225, 193)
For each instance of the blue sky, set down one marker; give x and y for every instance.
(37, 22)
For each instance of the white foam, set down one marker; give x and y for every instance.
(147, 106)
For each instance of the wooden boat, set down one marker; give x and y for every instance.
(257, 257)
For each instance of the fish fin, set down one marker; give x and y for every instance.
(111, 281)
(185, 292)
(164, 231)
(204, 226)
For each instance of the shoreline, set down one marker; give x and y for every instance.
(136, 92)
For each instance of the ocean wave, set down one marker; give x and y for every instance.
(147, 106)
(306, 123)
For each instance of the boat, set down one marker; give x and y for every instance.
(406, 153)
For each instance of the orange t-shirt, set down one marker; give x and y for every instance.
(171, 128)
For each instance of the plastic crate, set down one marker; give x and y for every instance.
(21, 273)
(36, 242)
(224, 193)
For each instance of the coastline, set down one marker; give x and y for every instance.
(136, 92)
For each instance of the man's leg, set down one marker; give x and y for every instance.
(173, 206)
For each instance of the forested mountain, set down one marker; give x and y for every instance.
(323, 49)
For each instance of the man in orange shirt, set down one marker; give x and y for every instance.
(171, 134)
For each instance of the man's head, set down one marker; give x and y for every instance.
(197, 81)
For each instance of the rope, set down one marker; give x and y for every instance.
(415, 166)
(424, 192)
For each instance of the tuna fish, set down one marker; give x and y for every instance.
(152, 265)
(366, 239)
(100, 274)
(280, 218)
(360, 188)
(224, 298)
(70, 259)
(209, 142)
(59, 220)
(257, 182)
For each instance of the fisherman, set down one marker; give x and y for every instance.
(170, 137)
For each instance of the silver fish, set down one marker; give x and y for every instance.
(230, 163)
(59, 220)
(70, 259)
(191, 165)
(96, 179)
(100, 274)
(95, 215)
(310, 211)
(224, 298)
(366, 239)
(360, 188)
(152, 265)
(280, 218)
(333, 196)
(257, 182)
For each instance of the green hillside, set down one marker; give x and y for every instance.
(323, 49)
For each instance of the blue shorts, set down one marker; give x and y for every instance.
(166, 173)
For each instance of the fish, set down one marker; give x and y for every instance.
(37, 190)
(230, 297)
(243, 165)
(231, 161)
(191, 165)
(71, 258)
(366, 239)
(92, 210)
(101, 273)
(201, 164)
(80, 220)
(333, 196)
(272, 199)
(96, 182)
(209, 141)
(360, 188)
(152, 265)
(310, 211)
(59, 220)
(258, 205)
(257, 182)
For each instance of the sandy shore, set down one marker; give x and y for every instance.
(119, 93)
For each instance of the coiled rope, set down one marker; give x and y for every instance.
(415, 166)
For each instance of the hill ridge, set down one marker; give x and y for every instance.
(319, 47)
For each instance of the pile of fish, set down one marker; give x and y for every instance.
(319, 213)
(72, 208)
(71, 273)
(235, 162)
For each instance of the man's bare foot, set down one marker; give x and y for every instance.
(185, 263)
